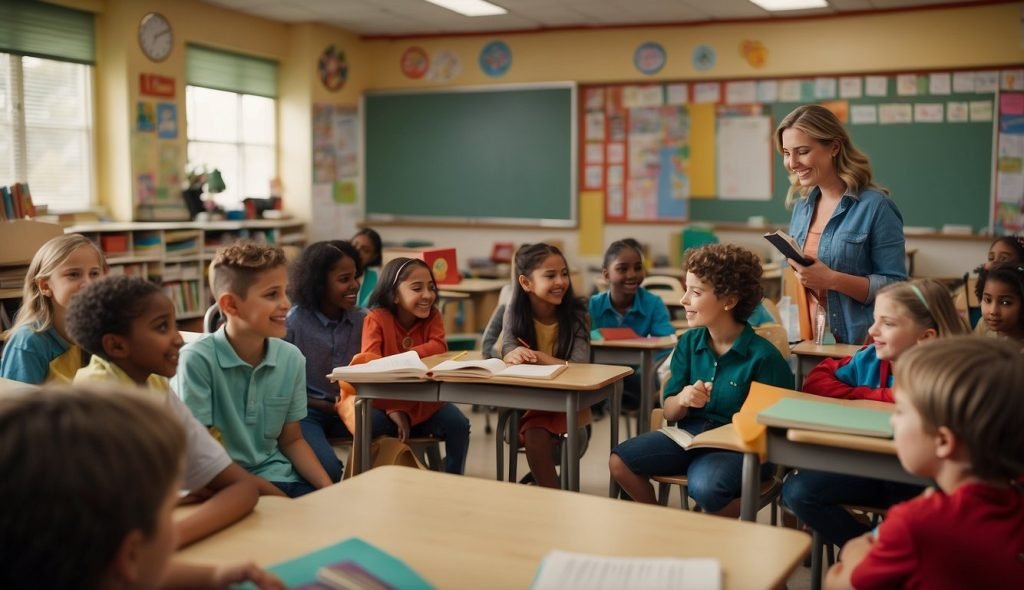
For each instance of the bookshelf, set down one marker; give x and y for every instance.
(176, 255)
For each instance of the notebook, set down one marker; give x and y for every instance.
(487, 368)
(785, 244)
(352, 563)
(560, 570)
(826, 417)
(623, 333)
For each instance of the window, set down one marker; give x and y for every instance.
(46, 124)
(231, 112)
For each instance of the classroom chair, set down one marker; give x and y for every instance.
(426, 448)
(212, 319)
(508, 432)
(775, 334)
(769, 493)
(662, 283)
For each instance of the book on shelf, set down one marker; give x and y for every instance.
(826, 417)
(562, 569)
(487, 368)
(408, 366)
(724, 437)
(786, 245)
(351, 564)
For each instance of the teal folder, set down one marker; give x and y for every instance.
(826, 417)
(301, 571)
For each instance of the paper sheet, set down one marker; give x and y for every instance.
(561, 569)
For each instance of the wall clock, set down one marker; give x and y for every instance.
(155, 36)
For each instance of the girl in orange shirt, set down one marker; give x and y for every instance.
(403, 317)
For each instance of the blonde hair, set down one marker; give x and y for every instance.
(236, 267)
(821, 124)
(929, 304)
(970, 384)
(85, 466)
(36, 308)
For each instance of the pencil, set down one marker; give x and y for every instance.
(523, 342)
(460, 355)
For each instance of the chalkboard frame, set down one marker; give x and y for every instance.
(571, 196)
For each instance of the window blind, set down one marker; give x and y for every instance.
(44, 30)
(233, 72)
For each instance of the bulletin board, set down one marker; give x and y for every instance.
(706, 148)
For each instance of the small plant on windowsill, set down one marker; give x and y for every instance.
(197, 179)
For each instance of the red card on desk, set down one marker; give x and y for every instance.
(624, 333)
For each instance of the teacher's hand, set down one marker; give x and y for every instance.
(815, 276)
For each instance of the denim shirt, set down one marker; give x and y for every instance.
(864, 237)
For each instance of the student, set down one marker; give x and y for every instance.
(403, 317)
(127, 325)
(841, 219)
(1001, 292)
(958, 422)
(326, 325)
(38, 348)
(370, 247)
(245, 383)
(1003, 249)
(545, 324)
(627, 304)
(93, 507)
(712, 368)
(906, 314)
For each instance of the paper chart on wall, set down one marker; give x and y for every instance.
(335, 171)
(744, 157)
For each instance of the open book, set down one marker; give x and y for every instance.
(785, 244)
(561, 569)
(826, 417)
(495, 368)
(723, 437)
(406, 366)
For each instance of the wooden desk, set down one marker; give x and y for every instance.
(808, 355)
(483, 298)
(460, 532)
(635, 352)
(579, 386)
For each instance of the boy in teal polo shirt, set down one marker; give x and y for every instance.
(245, 383)
(712, 367)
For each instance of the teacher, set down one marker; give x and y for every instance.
(841, 219)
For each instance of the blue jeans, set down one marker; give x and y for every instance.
(715, 477)
(294, 489)
(318, 426)
(448, 423)
(816, 497)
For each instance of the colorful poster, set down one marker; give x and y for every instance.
(167, 120)
(649, 58)
(336, 171)
(333, 68)
(445, 66)
(145, 118)
(704, 57)
(414, 63)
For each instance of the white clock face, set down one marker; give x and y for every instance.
(155, 36)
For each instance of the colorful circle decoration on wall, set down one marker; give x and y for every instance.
(495, 59)
(754, 52)
(333, 68)
(445, 66)
(415, 63)
(704, 57)
(649, 58)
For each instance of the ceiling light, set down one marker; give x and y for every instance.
(780, 5)
(470, 7)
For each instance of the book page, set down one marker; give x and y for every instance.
(561, 569)
(527, 371)
(406, 362)
(489, 365)
(678, 435)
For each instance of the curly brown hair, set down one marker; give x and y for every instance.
(236, 267)
(731, 270)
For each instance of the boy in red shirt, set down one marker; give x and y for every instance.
(958, 421)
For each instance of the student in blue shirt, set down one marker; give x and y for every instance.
(371, 250)
(627, 304)
(841, 219)
(327, 326)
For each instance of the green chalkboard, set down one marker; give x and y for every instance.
(937, 173)
(504, 155)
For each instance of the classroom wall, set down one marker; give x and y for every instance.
(961, 37)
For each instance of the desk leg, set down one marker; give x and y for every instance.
(616, 415)
(804, 365)
(469, 313)
(364, 424)
(750, 486)
(572, 411)
(643, 422)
